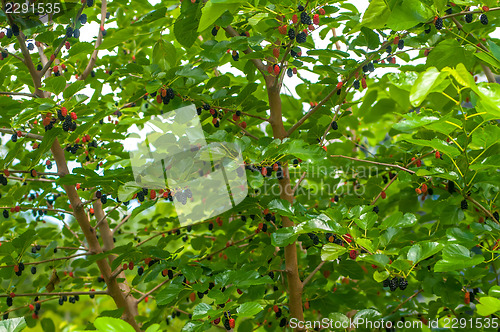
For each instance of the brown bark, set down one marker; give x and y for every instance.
(291, 262)
(121, 301)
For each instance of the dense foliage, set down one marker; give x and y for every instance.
(371, 149)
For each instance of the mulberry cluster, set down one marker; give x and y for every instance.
(394, 283)
(267, 171)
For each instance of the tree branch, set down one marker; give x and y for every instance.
(333, 92)
(243, 130)
(59, 293)
(309, 277)
(38, 209)
(482, 208)
(26, 54)
(3, 93)
(29, 179)
(124, 220)
(231, 245)
(302, 177)
(14, 55)
(58, 49)
(49, 260)
(242, 113)
(25, 134)
(257, 62)
(375, 162)
(93, 57)
(154, 289)
(405, 301)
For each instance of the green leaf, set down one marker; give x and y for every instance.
(376, 15)
(118, 37)
(424, 85)
(381, 276)
(449, 53)
(212, 11)
(488, 305)
(436, 144)
(414, 121)
(13, 324)
(249, 309)
(420, 251)
(110, 324)
(398, 220)
(168, 294)
(281, 206)
(73, 88)
(456, 257)
(494, 291)
(164, 54)
(331, 251)
(153, 328)
(367, 220)
(195, 73)
(48, 325)
(55, 84)
(495, 49)
(186, 25)
(283, 237)
(201, 310)
(407, 14)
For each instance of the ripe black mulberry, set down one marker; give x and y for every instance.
(301, 37)
(403, 283)
(484, 19)
(439, 23)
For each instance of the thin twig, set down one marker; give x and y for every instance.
(24, 134)
(231, 245)
(242, 113)
(75, 235)
(152, 290)
(375, 162)
(309, 277)
(302, 177)
(482, 208)
(106, 215)
(50, 260)
(124, 220)
(30, 179)
(396, 175)
(58, 293)
(37, 209)
(93, 57)
(243, 130)
(4, 93)
(403, 303)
